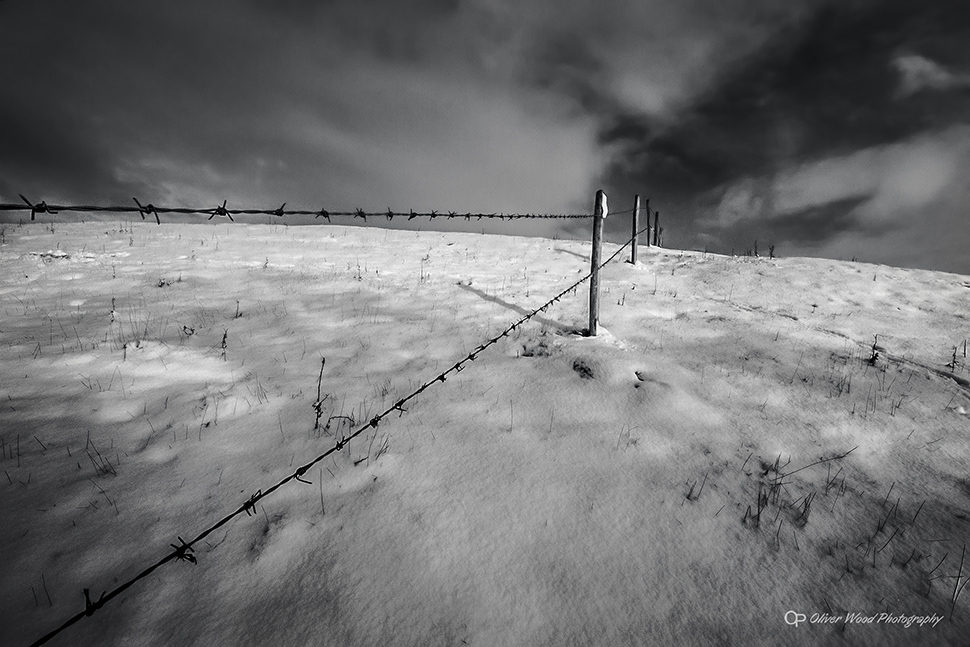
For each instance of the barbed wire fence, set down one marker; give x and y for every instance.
(184, 550)
(224, 211)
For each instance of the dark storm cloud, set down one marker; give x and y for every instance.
(98, 85)
(806, 226)
(252, 97)
(706, 106)
(814, 224)
(561, 64)
(347, 103)
(48, 145)
(854, 76)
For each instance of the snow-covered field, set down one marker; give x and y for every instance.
(662, 483)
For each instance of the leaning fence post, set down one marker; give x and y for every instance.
(636, 228)
(656, 228)
(600, 211)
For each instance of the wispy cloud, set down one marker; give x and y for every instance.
(919, 73)
(903, 176)
(887, 203)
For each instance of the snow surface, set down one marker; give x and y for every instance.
(561, 490)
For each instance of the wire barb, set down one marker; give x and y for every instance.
(250, 505)
(91, 607)
(147, 210)
(184, 551)
(220, 211)
(40, 207)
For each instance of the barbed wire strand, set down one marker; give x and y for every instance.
(223, 210)
(184, 551)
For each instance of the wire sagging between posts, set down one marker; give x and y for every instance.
(183, 551)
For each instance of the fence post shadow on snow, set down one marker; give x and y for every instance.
(561, 327)
(600, 213)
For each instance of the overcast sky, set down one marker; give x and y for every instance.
(837, 129)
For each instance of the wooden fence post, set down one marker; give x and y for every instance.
(656, 228)
(636, 228)
(648, 222)
(600, 211)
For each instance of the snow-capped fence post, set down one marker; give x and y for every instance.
(600, 211)
(656, 229)
(636, 228)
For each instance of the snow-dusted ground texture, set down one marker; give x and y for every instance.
(640, 487)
